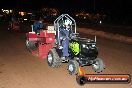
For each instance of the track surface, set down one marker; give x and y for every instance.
(19, 69)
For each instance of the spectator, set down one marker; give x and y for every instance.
(37, 26)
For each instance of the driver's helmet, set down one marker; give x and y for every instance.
(40, 21)
(67, 23)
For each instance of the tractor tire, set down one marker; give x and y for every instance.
(98, 66)
(73, 66)
(53, 59)
(30, 45)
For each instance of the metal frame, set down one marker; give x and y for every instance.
(57, 26)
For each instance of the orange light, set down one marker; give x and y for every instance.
(81, 72)
(22, 13)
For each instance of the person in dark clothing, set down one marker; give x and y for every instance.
(65, 32)
(37, 26)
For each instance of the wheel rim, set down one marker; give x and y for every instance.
(96, 65)
(27, 43)
(50, 58)
(71, 68)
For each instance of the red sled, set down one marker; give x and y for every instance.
(40, 44)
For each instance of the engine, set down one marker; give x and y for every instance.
(85, 51)
(89, 50)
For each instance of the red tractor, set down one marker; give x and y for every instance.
(40, 44)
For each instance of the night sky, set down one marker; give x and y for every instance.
(106, 6)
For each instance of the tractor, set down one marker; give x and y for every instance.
(39, 44)
(49, 44)
(82, 51)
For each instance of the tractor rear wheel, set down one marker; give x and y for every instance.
(53, 59)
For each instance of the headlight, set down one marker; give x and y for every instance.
(93, 45)
(25, 19)
(84, 46)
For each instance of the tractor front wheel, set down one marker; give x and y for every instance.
(53, 59)
(98, 66)
(73, 67)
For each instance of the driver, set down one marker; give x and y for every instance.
(64, 38)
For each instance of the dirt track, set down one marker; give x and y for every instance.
(19, 69)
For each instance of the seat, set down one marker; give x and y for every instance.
(50, 29)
